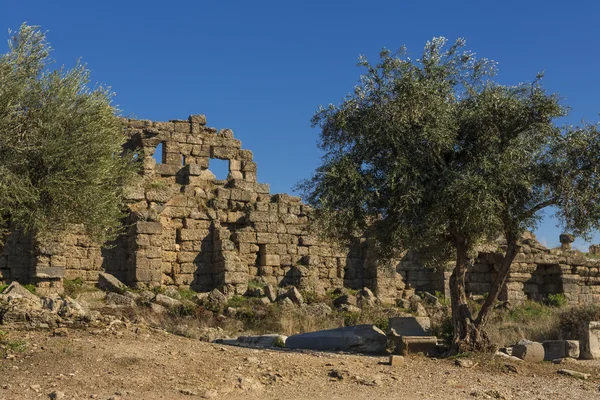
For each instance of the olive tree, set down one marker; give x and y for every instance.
(61, 158)
(433, 155)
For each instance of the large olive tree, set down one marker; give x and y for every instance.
(433, 155)
(61, 158)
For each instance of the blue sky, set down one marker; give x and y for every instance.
(261, 68)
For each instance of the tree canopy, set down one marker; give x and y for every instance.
(433, 155)
(61, 158)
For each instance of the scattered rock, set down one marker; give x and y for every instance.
(464, 363)
(167, 301)
(15, 290)
(119, 299)
(270, 292)
(56, 395)
(337, 374)
(366, 298)
(109, 283)
(63, 332)
(157, 308)
(216, 300)
(172, 293)
(574, 374)
(294, 295)
(565, 360)
(396, 361)
(345, 300)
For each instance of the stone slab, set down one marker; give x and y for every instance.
(417, 344)
(410, 326)
(554, 349)
(590, 340)
(357, 338)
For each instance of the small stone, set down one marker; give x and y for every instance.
(396, 361)
(56, 395)
(60, 332)
(209, 394)
(574, 374)
(464, 363)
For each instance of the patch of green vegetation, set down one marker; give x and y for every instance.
(556, 300)
(187, 294)
(2, 288)
(310, 297)
(351, 318)
(256, 284)
(73, 287)
(238, 301)
(445, 301)
(30, 287)
(157, 185)
(466, 354)
(529, 310)
(11, 345)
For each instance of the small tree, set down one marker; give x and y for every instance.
(60, 145)
(433, 155)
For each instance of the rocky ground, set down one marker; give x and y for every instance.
(133, 361)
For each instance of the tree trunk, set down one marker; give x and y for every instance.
(467, 335)
(511, 252)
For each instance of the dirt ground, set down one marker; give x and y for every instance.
(137, 362)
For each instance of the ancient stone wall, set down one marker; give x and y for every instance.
(189, 229)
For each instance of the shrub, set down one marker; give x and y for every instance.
(570, 320)
(73, 286)
(556, 300)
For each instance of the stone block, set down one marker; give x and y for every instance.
(197, 119)
(410, 326)
(417, 344)
(270, 259)
(149, 227)
(590, 340)
(529, 351)
(49, 272)
(554, 349)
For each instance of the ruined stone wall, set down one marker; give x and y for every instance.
(188, 229)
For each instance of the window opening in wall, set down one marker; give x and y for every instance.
(159, 153)
(219, 167)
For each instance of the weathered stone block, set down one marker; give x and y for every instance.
(358, 338)
(417, 344)
(554, 349)
(149, 227)
(410, 326)
(590, 340)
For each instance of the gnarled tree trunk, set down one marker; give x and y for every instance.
(469, 333)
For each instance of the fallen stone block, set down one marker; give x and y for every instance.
(417, 344)
(358, 338)
(554, 349)
(273, 340)
(109, 283)
(410, 326)
(119, 299)
(167, 301)
(17, 291)
(574, 374)
(529, 351)
(590, 340)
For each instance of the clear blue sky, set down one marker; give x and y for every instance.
(261, 68)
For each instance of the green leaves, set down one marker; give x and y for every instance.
(432, 151)
(59, 145)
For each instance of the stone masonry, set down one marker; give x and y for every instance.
(188, 229)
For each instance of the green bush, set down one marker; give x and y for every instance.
(73, 286)
(570, 320)
(30, 287)
(556, 300)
